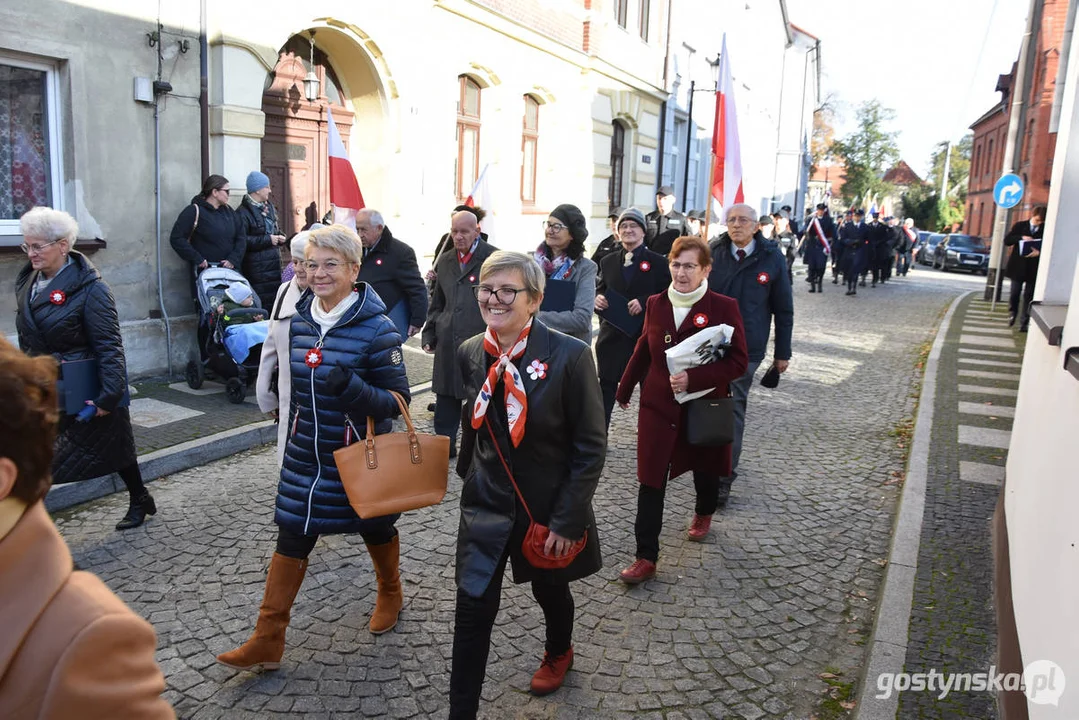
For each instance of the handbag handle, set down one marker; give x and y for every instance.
(414, 451)
(506, 467)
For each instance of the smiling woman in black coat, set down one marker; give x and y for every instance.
(66, 310)
(555, 447)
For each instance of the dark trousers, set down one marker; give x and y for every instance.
(852, 282)
(609, 388)
(1021, 289)
(902, 263)
(132, 477)
(298, 546)
(473, 620)
(649, 520)
(448, 417)
(878, 274)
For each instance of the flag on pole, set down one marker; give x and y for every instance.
(344, 189)
(726, 149)
(481, 197)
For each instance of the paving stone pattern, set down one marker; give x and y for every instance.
(952, 623)
(739, 626)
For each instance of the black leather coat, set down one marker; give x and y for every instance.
(74, 318)
(651, 275)
(262, 259)
(1022, 268)
(557, 465)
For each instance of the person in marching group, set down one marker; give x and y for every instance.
(389, 266)
(561, 256)
(533, 451)
(663, 451)
(454, 317)
(817, 244)
(880, 249)
(908, 238)
(752, 270)
(635, 273)
(839, 249)
(66, 310)
(345, 358)
(608, 244)
(70, 647)
(855, 240)
(664, 223)
(788, 241)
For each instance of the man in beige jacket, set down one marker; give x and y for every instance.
(69, 647)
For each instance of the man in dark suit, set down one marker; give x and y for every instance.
(609, 244)
(880, 239)
(854, 237)
(665, 224)
(1022, 265)
(636, 273)
(454, 317)
(389, 266)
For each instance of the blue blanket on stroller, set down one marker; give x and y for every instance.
(240, 338)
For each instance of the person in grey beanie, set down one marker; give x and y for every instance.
(561, 256)
(262, 259)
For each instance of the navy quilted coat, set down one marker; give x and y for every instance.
(310, 497)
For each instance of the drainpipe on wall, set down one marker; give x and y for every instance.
(204, 100)
(1062, 67)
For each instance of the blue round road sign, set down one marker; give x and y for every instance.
(1008, 191)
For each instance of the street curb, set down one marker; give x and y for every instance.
(174, 459)
(891, 627)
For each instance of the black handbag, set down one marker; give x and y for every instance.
(710, 422)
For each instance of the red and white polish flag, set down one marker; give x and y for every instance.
(726, 149)
(344, 188)
(481, 197)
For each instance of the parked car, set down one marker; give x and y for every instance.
(962, 252)
(924, 254)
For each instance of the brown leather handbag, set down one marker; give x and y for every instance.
(394, 472)
(536, 536)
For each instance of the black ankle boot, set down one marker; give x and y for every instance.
(140, 507)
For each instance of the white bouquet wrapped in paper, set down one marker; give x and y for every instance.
(708, 345)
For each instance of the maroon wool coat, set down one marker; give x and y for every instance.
(661, 432)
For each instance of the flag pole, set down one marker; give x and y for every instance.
(711, 184)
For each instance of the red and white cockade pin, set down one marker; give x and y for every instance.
(378, 261)
(313, 358)
(57, 297)
(700, 319)
(537, 370)
(645, 266)
(764, 278)
(472, 278)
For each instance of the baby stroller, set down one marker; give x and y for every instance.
(229, 351)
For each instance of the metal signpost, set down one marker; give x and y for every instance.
(1007, 193)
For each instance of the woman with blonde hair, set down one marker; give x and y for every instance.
(344, 359)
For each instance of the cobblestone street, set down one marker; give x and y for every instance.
(741, 626)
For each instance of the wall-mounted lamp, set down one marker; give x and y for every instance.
(715, 69)
(311, 83)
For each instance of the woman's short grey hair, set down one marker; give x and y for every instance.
(531, 273)
(49, 224)
(339, 239)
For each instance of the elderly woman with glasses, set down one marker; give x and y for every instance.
(663, 452)
(273, 388)
(537, 421)
(66, 310)
(345, 358)
(561, 256)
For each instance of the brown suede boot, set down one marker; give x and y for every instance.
(266, 646)
(388, 602)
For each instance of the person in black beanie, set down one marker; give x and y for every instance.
(609, 244)
(561, 256)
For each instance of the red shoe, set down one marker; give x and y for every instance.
(699, 527)
(552, 672)
(638, 572)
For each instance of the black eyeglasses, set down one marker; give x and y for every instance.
(504, 295)
(553, 227)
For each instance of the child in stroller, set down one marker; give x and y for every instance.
(232, 328)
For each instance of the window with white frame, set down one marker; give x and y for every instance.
(30, 160)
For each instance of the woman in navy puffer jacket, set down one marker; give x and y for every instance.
(345, 357)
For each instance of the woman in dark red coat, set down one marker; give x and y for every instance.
(663, 453)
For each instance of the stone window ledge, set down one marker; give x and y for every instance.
(1071, 362)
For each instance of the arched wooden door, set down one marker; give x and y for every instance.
(294, 145)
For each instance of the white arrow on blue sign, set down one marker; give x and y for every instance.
(1008, 191)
